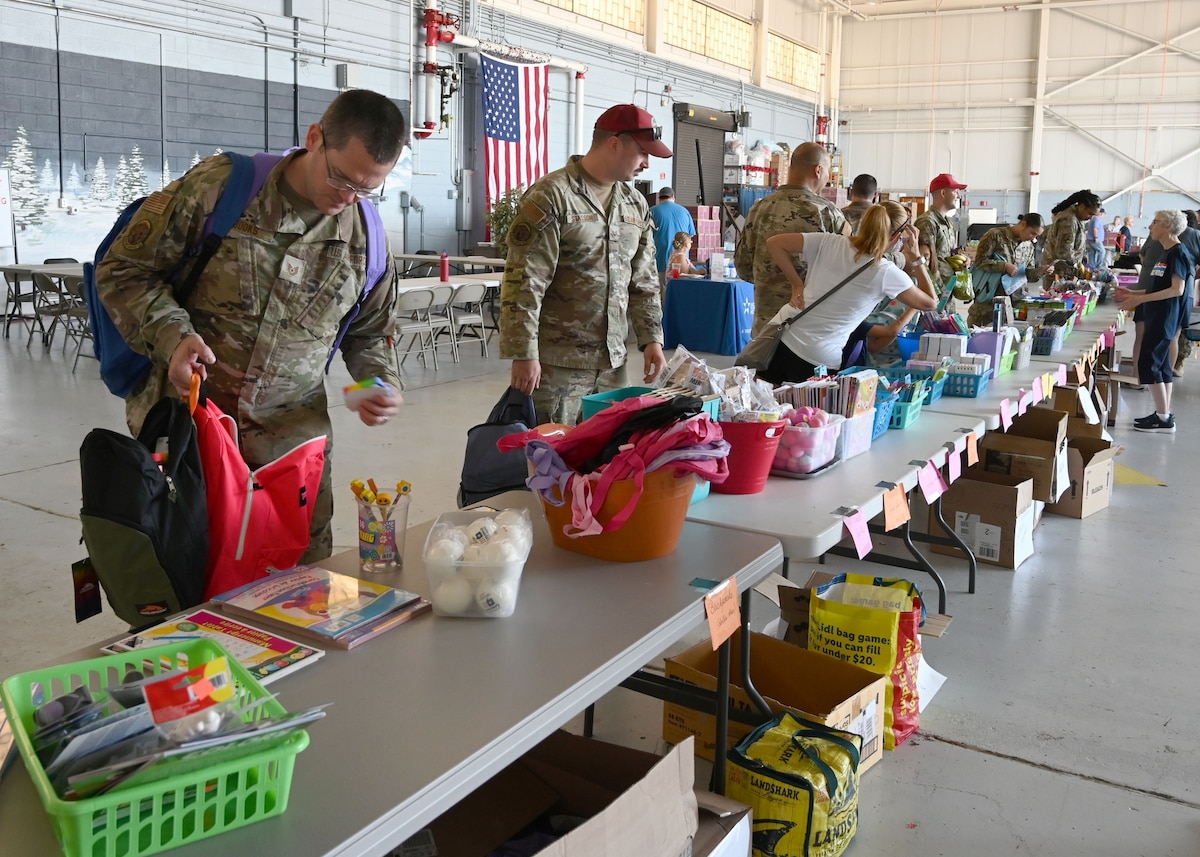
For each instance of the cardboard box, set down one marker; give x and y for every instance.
(629, 797)
(1090, 469)
(806, 683)
(724, 827)
(994, 514)
(1034, 447)
(1086, 412)
(1108, 391)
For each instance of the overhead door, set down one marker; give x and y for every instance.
(699, 153)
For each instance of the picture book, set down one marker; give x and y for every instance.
(265, 655)
(323, 605)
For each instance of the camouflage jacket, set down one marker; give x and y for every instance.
(578, 277)
(789, 209)
(1065, 239)
(854, 212)
(269, 304)
(1000, 246)
(936, 230)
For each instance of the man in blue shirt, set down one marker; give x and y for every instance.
(1095, 242)
(669, 218)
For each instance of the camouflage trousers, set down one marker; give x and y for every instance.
(980, 314)
(559, 398)
(768, 300)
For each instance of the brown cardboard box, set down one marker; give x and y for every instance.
(1034, 448)
(806, 683)
(1087, 412)
(629, 797)
(994, 514)
(1108, 391)
(1090, 467)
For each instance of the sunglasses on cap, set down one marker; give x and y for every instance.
(655, 132)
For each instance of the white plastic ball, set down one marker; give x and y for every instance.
(497, 598)
(475, 553)
(482, 529)
(453, 596)
(511, 518)
(445, 550)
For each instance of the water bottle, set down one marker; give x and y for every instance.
(444, 272)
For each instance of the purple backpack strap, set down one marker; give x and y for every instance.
(377, 263)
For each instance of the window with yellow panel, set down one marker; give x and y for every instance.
(793, 63)
(626, 14)
(709, 32)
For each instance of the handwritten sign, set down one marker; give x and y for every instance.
(856, 525)
(724, 611)
(930, 481)
(895, 508)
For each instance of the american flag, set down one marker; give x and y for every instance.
(516, 99)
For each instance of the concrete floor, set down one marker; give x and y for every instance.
(1067, 723)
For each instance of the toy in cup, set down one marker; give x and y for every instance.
(382, 524)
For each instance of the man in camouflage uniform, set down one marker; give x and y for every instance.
(1004, 250)
(863, 191)
(581, 270)
(795, 207)
(265, 313)
(1066, 239)
(937, 229)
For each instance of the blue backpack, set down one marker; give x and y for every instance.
(121, 368)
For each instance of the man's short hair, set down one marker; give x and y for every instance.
(865, 186)
(666, 193)
(370, 117)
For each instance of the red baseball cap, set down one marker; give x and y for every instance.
(945, 180)
(638, 124)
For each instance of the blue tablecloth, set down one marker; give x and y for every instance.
(713, 316)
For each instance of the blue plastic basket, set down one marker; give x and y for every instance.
(967, 386)
(933, 389)
(885, 403)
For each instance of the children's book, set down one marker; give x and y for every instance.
(323, 605)
(265, 655)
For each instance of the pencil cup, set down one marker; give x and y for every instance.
(381, 531)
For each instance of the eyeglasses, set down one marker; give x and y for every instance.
(340, 184)
(655, 132)
(902, 226)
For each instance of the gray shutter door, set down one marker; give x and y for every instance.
(687, 167)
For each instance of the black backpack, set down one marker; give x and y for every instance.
(486, 470)
(146, 525)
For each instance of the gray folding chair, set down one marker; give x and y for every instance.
(440, 319)
(412, 322)
(466, 307)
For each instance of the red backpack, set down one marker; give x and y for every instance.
(258, 520)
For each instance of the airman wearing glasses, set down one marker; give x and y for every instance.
(262, 320)
(581, 271)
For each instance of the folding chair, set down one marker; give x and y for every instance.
(412, 321)
(466, 307)
(75, 320)
(49, 305)
(440, 320)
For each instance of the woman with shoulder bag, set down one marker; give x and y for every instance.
(847, 277)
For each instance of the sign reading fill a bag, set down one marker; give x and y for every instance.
(873, 622)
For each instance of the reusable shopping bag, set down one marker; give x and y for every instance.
(800, 780)
(872, 622)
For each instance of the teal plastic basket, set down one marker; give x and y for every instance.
(933, 389)
(197, 802)
(967, 386)
(904, 414)
(884, 406)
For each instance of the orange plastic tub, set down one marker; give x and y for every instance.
(652, 530)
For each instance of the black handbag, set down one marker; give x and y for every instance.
(486, 470)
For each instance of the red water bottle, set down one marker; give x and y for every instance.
(444, 273)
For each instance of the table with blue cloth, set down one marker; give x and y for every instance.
(713, 316)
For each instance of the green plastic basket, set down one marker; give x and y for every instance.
(905, 414)
(193, 804)
(1006, 363)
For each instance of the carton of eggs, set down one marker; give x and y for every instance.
(474, 560)
(808, 443)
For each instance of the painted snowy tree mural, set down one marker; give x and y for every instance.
(100, 191)
(28, 200)
(131, 184)
(48, 182)
(73, 184)
(165, 178)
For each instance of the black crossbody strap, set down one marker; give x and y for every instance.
(817, 302)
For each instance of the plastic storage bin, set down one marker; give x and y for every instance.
(186, 807)
(1006, 363)
(478, 584)
(909, 344)
(596, 402)
(904, 414)
(933, 389)
(884, 405)
(751, 452)
(652, 530)
(967, 386)
(803, 450)
(856, 435)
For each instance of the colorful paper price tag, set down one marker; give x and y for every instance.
(1006, 414)
(953, 467)
(1110, 338)
(724, 611)
(1062, 376)
(856, 525)
(1080, 374)
(972, 449)
(895, 508)
(1036, 395)
(930, 481)
(1023, 403)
